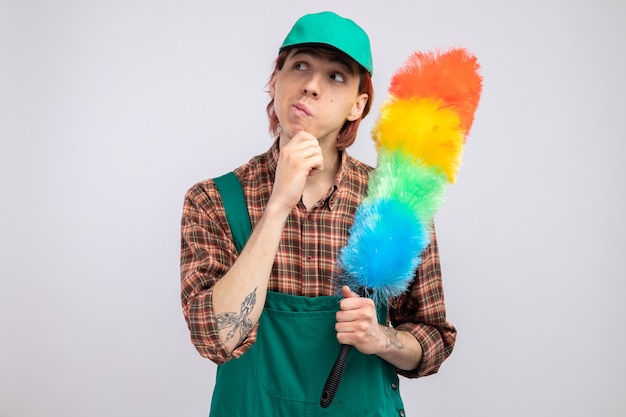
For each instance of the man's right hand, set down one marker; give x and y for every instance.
(299, 159)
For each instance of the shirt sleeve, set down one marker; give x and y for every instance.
(421, 311)
(207, 253)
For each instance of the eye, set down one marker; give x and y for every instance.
(336, 76)
(301, 66)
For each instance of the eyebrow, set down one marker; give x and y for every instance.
(332, 56)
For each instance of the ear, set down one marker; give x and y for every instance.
(272, 84)
(358, 107)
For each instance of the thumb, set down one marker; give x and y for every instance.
(346, 292)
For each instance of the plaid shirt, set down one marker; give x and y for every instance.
(305, 263)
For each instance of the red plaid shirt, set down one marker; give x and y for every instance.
(305, 263)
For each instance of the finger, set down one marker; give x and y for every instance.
(351, 301)
(306, 148)
(317, 166)
(346, 292)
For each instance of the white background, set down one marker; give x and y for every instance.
(111, 110)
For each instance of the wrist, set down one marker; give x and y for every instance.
(391, 339)
(277, 210)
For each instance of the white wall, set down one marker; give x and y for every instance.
(110, 110)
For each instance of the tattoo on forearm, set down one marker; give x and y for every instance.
(391, 335)
(225, 320)
(238, 322)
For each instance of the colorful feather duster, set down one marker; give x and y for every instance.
(419, 138)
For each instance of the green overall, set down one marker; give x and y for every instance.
(284, 372)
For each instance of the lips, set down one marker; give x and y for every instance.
(301, 110)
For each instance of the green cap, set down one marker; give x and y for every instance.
(327, 28)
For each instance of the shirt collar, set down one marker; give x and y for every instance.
(272, 159)
(344, 162)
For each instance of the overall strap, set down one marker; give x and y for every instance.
(237, 215)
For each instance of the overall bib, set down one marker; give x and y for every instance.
(284, 372)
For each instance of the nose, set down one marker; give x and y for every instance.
(311, 86)
(310, 91)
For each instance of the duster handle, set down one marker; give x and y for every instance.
(334, 377)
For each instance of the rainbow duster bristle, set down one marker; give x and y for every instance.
(419, 138)
(451, 76)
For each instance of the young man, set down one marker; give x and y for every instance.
(270, 316)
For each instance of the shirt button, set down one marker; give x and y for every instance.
(394, 386)
(401, 413)
(309, 258)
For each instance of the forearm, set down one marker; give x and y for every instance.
(437, 342)
(239, 296)
(399, 348)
